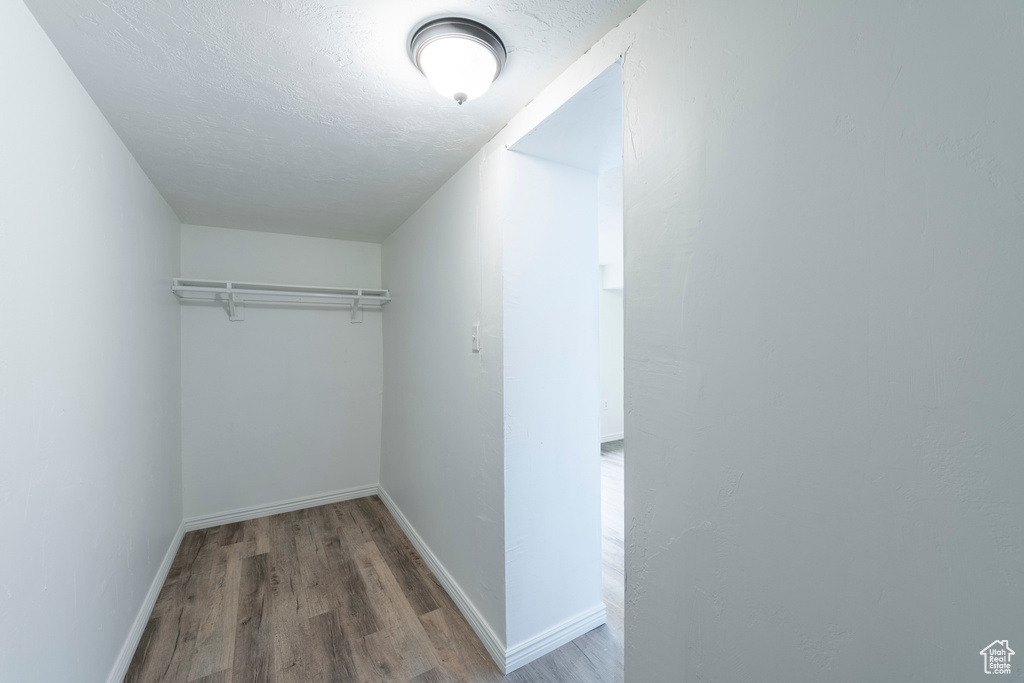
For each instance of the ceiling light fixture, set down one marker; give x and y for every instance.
(459, 57)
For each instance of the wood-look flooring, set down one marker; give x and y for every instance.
(338, 593)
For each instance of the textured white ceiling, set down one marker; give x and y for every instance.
(303, 116)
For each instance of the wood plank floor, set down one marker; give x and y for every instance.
(338, 593)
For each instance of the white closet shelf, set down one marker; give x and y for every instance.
(236, 294)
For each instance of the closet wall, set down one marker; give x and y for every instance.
(823, 204)
(287, 403)
(551, 395)
(90, 479)
(442, 456)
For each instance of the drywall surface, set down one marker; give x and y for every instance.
(287, 403)
(442, 458)
(824, 375)
(609, 225)
(442, 444)
(551, 395)
(822, 344)
(612, 364)
(610, 256)
(90, 474)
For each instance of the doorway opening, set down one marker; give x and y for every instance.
(565, 238)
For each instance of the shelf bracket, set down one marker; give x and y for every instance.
(357, 309)
(236, 309)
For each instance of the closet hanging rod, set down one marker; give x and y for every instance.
(236, 294)
(297, 294)
(189, 285)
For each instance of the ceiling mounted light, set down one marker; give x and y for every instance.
(459, 57)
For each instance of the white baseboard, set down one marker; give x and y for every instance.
(124, 658)
(555, 637)
(256, 511)
(613, 437)
(483, 630)
(507, 659)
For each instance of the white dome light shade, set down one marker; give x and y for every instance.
(458, 68)
(459, 57)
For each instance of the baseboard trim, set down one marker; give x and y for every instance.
(257, 511)
(124, 658)
(555, 637)
(483, 630)
(613, 437)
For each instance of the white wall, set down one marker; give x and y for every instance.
(443, 452)
(609, 222)
(444, 459)
(824, 331)
(612, 376)
(822, 344)
(90, 475)
(287, 403)
(609, 255)
(442, 447)
(551, 396)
